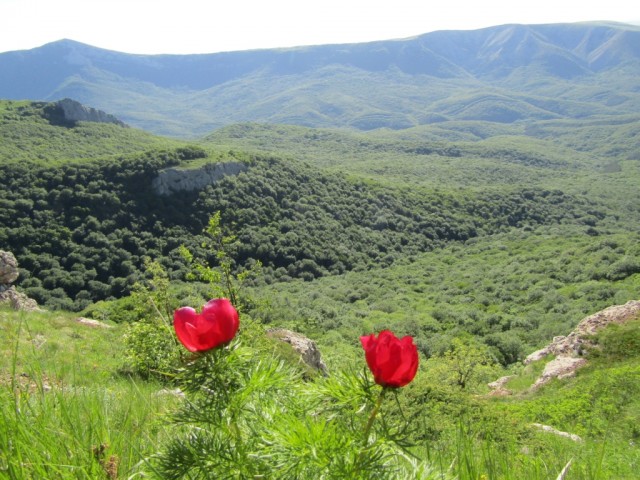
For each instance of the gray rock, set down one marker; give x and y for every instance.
(560, 367)
(17, 300)
(8, 268)
(174, 180)
(306, 347)
(554, 431)
(73, 111)
(90, 322)
(498, 388)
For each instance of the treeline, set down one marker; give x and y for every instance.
(81, 232)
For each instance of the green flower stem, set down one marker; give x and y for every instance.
(373, 415)
(367, 429)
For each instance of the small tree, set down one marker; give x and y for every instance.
(464, 364)
(151, 347)
(222, 279)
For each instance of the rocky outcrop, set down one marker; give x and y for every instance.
(17, 300)
(498, 388)
(174, 180)
(574, 344)
(560, 367)
(8, 294)
(568, 350)
(306, 347)
(68, 112)
(8, 268)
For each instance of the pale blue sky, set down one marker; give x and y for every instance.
(206, 26)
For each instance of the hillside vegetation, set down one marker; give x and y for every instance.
(61, 379)
(82, 228)
(513, 292)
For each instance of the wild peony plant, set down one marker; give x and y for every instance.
(249, 415)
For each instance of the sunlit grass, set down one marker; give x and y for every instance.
(65, 410)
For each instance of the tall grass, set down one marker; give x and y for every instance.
(64, 416)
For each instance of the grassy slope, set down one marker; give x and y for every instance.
(61, 398)
(28, 136)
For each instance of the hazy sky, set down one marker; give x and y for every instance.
(206, 26)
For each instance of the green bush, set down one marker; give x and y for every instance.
(151, 350)
(618, 342)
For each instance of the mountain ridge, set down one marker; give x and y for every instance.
(389, 83)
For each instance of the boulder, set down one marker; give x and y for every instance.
(8, 268)
(306, 347)
(17, 300)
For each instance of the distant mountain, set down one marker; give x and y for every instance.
(500, 74)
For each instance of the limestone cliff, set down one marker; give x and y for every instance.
(68, 112)
(173, 180)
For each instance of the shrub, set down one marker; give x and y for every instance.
(151, 350)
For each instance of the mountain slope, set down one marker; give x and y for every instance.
(82, 220)
(38, 132)
(500, 74)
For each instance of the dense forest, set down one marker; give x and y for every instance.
(81, 231)
(82, 225)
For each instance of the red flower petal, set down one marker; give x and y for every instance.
(224, 318)
(217, 324)
(184, 320)
(392, 362)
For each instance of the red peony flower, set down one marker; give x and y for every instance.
(216, 325)
(393, 361)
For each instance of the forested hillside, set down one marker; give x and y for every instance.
(511, 291)
(81, 229)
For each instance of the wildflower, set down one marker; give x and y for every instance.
(215, 326)
(393, 361)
